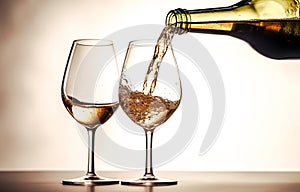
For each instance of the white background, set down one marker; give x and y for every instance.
(261, 130)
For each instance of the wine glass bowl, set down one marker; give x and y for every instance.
(87, 93)
(149, 95)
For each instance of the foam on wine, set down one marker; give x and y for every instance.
(148, 111)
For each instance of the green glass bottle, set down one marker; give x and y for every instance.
(271, 27)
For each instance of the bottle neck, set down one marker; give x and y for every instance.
(184, 20)
(181, 19)
(197, 20)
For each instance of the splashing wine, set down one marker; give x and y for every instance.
(148, 111)
(143, 108)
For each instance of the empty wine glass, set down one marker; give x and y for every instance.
(87, 93)
(149, 95)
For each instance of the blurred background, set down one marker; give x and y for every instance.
(261, 130)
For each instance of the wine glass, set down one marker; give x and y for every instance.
(149, 100)
(87, 90)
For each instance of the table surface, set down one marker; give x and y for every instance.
(50, 181)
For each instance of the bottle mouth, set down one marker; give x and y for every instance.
(180, 19)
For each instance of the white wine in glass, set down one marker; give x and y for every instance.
(87, 91)
(149, 95)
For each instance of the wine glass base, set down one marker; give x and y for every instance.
(88, 180)
(149, 182)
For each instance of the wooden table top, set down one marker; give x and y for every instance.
(50, 181)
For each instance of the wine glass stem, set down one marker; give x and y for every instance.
(148, 168)
(91, 160)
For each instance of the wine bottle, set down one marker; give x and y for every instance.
(271, 27)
